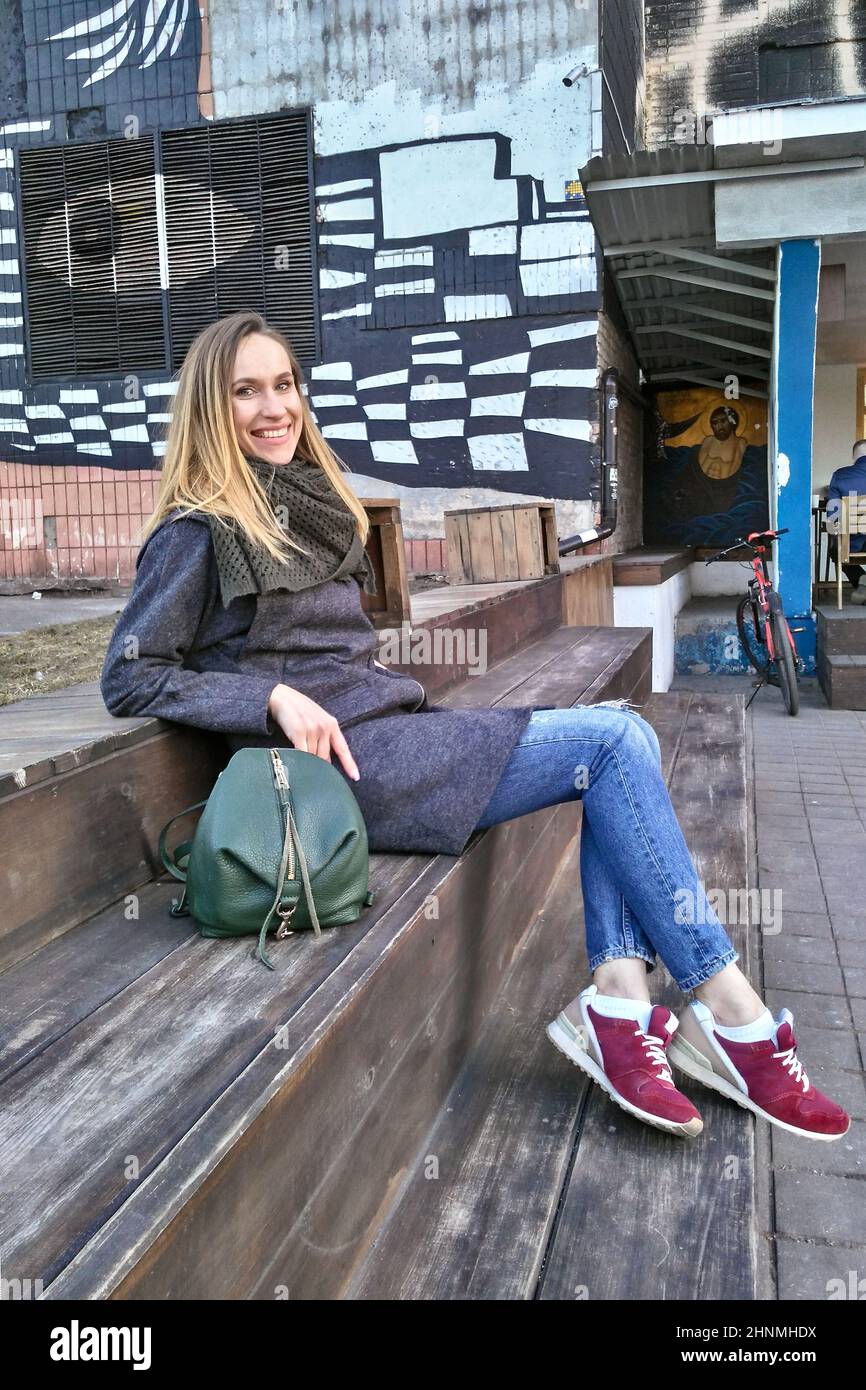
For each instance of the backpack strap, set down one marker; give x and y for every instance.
(172, 862)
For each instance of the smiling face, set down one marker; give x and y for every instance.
(266, 404)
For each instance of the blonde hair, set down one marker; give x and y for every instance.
(204, 468)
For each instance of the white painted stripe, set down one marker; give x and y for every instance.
(519, 362)
(6, 203)
(158, 447)
(9, 268)
(504, 452)
(39, 439)
(562, 333)
(438, 391)
(335, 190)
(339, 279)
(436, 429)
(549, 240)
(569, 429)
(393, 260)
(353, 429)
(354, 210)
(9, 235)
(160, 388)
(11, 396)
(24, 127)
(461, 308)
(449, 337)
(393, 451)
(331, 402)
(357, 311)
(10, 296)
(16, 322)
(509, 404)
(11, 350)
(363, 240)
(44, 412)
(8, 425)
(385, 411)
(544, 279)
(405, 287)
(493, 241)
(369, 383)
(332, 371)
(131, 434)
(451, 357)
(78, 396)
(125, 407)
(158, 419)
(87, 422)
(564, 377)
(95, 446)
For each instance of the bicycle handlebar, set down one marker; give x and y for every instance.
(772, 535)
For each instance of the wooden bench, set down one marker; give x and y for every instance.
(533, 1184)
(177, 1122)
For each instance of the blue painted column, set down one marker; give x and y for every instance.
(792, 384)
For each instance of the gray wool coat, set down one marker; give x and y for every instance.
(427, 772)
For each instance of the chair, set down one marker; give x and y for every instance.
(848, 521)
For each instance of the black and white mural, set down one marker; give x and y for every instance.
(456, 273)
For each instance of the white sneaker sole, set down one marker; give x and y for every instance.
(570, 1048)
(694, 1064)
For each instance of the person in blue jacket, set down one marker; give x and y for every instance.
(850, 480)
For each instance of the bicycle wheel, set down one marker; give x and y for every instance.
(785, 662)
(751, 636)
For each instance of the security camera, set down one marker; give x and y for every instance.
(571, 77)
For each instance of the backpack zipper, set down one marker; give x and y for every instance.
(281, 786)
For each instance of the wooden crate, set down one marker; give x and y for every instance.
(389, 606)
(513, 541)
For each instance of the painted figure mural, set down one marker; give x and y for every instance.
(707, 482)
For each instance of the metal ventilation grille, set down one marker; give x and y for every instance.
(91, 250)
(237, 200)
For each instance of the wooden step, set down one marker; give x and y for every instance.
(532, 1184)
(843, 680)
(83, 795)
(178, 1122)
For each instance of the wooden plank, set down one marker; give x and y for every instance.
(587, 595)
(510, 1125)
(480, 532)
(634, 1203)
(528, 540)
(650, 565)
(77, 842)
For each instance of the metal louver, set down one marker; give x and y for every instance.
(237, 205)
(91, 250)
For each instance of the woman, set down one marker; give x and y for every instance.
(245, 618)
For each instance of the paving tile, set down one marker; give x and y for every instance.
(855, 980)
(858, 1009)
(845, 1156)
(821, 1011)
(817, 1273)
(804, 977)
(785, 946)
(812, 1205)
(806, 924)
(852, 952)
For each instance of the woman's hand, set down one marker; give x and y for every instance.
(310, 727)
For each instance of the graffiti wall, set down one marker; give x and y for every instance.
(706, 481)
(456, 274)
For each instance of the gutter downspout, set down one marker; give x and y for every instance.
(610, 386)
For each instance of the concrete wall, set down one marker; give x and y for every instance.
(835, 424)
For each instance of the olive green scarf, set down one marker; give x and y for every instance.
(310, 512)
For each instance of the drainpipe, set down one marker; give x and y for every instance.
(610, 386)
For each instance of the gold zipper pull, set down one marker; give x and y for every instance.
(279, 770)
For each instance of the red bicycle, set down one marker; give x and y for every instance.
(763, 628)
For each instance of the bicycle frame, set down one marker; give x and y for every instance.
(765, 598)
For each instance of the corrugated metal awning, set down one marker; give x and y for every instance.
(696, 312)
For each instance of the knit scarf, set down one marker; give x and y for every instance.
(310, 512)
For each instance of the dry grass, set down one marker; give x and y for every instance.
(48, 658)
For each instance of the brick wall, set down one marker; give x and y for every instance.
(703, 57)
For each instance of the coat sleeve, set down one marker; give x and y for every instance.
(143, 672)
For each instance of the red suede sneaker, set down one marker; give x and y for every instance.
(626, 1062)
(766, 1077)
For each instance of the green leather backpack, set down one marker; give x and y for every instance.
(281, 846)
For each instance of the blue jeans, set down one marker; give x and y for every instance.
(641, 893)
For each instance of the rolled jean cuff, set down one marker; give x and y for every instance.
(622, 953)
(707, 971)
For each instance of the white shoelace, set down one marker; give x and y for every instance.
(790, 1060)
(656, 1055)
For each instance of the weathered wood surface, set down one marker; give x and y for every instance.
(146, 1131)
(651, 564)
(543, 1187)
